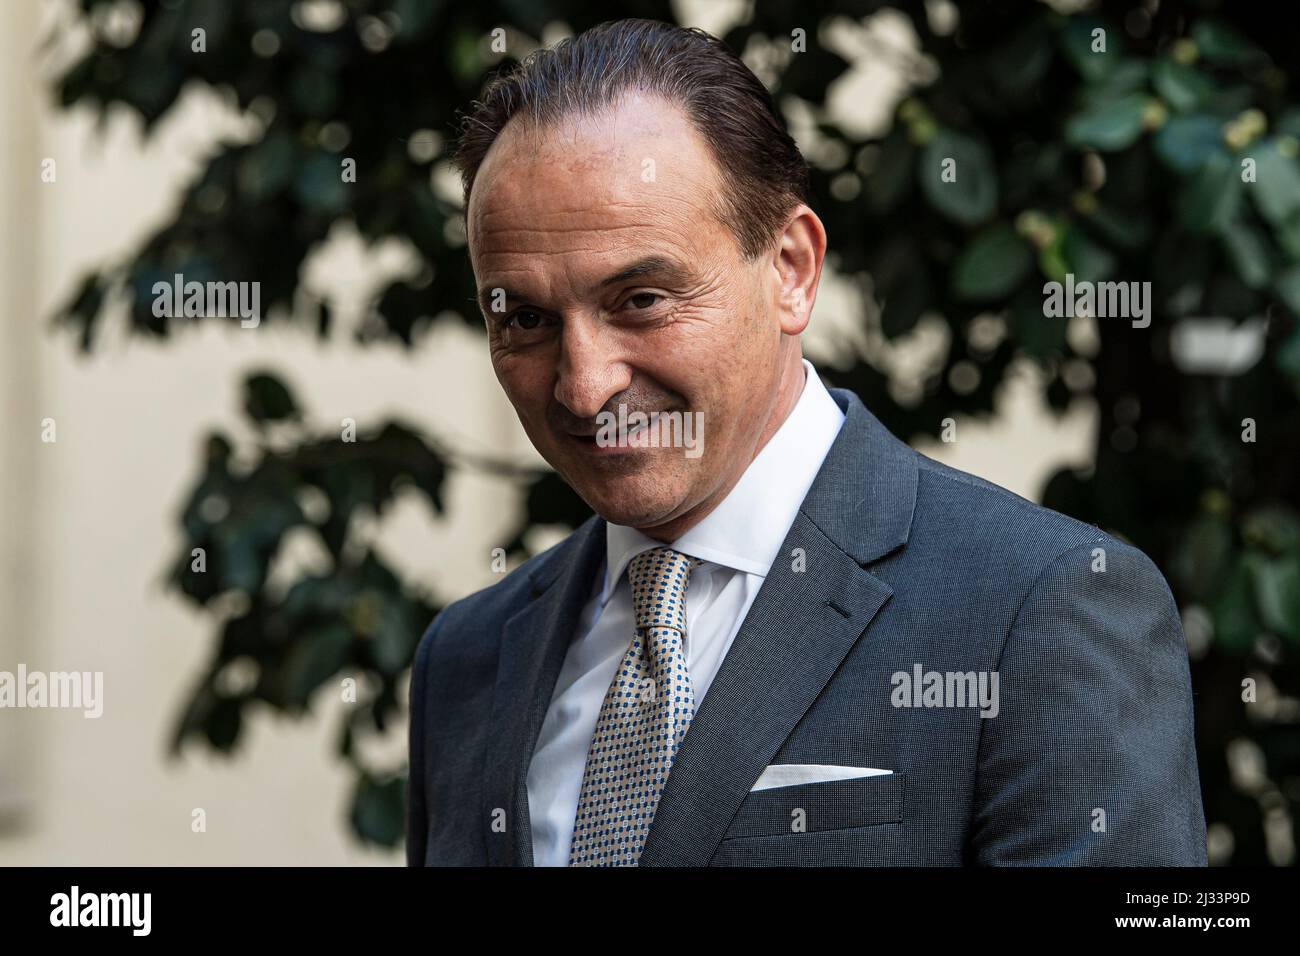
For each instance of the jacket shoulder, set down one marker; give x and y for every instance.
(1013, 532)
(487, 609)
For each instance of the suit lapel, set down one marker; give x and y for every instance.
(533, 646)
(798, 631)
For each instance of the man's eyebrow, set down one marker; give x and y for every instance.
(646, 266)
(650, 265)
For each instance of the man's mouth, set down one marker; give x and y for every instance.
(627, 442)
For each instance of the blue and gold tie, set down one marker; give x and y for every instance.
(646, 713)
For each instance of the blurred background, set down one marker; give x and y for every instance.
(246, 529)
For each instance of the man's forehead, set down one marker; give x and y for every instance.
(640, 152)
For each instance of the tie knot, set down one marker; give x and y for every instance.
(659, 578)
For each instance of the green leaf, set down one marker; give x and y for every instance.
(1249, 252)
(1037, 335)
(904, 303)
(414, 18)
(1222, 45)
(1110, 126)
(1209, 203)
(1124, 229)
(1277, 592)
(1273, 528)
(1288, 356)
(1276, 189)
(1287, 287)
(379, 810)
(1288, 123)
(992, 265)
(466, 59)
(1078, 40)
(224, 724)
(1088, 261)
(1129, 75)
(958, 178)
(1051, 259)
(901, 283)
(1182, 86)
(1201, 563)
(1021, 62)
(314, 658)
(1185, 143)
(267, 399)
(320, 184)
(891, 176)
(1288, 236)
(1233, 612)
(396, 637)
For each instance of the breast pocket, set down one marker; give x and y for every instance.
(813, 807)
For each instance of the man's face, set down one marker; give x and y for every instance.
(617, 284)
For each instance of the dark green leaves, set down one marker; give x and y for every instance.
(1222, 44)
(316, 655)
(1182, 86)
(958, 178)
(1211, 200)
(892, 173)
(378, 809)
(1249, 252)
(267, 399)
(1233, 611)
(1277, 592)
(1090, 45)
(1108, 126)
(992, 265)
(1184, 143)
(1276, 190)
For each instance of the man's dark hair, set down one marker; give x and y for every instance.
(765, 175)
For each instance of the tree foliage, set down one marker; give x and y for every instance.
(1111, 145)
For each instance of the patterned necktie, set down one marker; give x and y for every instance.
(646, 713)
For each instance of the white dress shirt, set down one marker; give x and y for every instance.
(738, 542)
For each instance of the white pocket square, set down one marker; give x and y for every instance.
(789, 774)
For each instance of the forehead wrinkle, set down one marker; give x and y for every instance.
(606, 186)
(508, 231)
(656, 226)
(608, 257)
(673, 265)
(631, 202)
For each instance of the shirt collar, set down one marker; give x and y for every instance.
(746, 530)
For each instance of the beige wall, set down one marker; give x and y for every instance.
(88, 521)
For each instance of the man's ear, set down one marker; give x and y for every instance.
(798, 264)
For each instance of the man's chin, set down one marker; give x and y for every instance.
(628, 510)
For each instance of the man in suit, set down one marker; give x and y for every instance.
(784, 637)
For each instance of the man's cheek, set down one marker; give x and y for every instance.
(521, 384)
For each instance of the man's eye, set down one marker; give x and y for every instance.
(525, 320)
(643, 300)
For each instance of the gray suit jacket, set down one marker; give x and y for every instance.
(905, 563)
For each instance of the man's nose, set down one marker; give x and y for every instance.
(591, 371)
